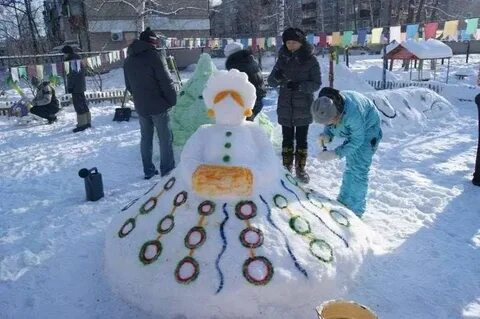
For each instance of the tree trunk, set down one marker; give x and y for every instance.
(337, 15)
(411, 11)
(371, 14)
(355, 14)
(433, 15)
(419, 10)
(28, 13)
(140, 18)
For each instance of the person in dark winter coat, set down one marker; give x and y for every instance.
(148, 80)
(243, 61)
(354, 117)
(297, 73)
(76, 85)
(45, 104)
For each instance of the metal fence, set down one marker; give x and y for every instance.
(378, 85)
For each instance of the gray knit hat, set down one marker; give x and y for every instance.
(324, 110)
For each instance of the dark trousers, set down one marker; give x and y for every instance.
(295, 133)
(80, 103)
(45, 111)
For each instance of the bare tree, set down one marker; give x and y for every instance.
(140, 9)
(20, 19)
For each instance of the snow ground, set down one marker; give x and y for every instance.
(422, 206)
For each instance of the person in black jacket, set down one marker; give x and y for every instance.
(243, 61)
(45, 104)
(148, 80)
(297, 73)
(76, 85)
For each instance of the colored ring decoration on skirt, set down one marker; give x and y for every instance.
(127, 228)
(300, 225)
(259, 276)
(245, 210)
(322, 250)
(315, 201)
(195, 237)
(180, 198)
(206, 208)
(166, 224)
(169, 184)
(339, 218)
(291, 179)
(187, 270)
(148, 206)
(251, 237)
(150, 251)
(280, 201)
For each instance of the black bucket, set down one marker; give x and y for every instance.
(93, 183)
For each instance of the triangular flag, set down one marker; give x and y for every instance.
(396, 34)
(450, 30)
(336, 38)
(22, 72)
(54, 69)
(39, 71)
(430, 30)
(362, 36)
(472, 25)
(377, 35)
(310, 38)
(347, 38)
(412, 31)
(14, 73)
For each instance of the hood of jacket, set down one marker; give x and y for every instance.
(138, 47)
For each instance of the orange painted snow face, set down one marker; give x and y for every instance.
(235, 96)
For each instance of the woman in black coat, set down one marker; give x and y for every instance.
(243, 61)
(297, 73)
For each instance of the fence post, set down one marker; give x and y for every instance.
(476, 174)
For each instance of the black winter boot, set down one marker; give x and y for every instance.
(287, 157)
(300, 162)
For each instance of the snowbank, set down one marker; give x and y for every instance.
(375, 73)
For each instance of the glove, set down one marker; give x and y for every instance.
(324, 139)
(293, 86)
(327, 156)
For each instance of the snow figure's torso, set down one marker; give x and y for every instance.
(230, 234)
(230, 145)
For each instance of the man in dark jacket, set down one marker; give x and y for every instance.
(243, 61)
(45, 104)
(148, 80)
(297, 73)
(76, 85)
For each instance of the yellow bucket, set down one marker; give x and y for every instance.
(343, 309)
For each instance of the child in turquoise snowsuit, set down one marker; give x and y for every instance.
(353, 116)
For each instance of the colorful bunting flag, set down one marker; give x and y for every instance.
(396, 34)
(376, 35)
(14, 73)
(323, 39)
(472, 25)
(336, 38)
(39, 71)
(430, 30)
(412, 31)
(450, 30)
(347, 38)
(362, 36)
